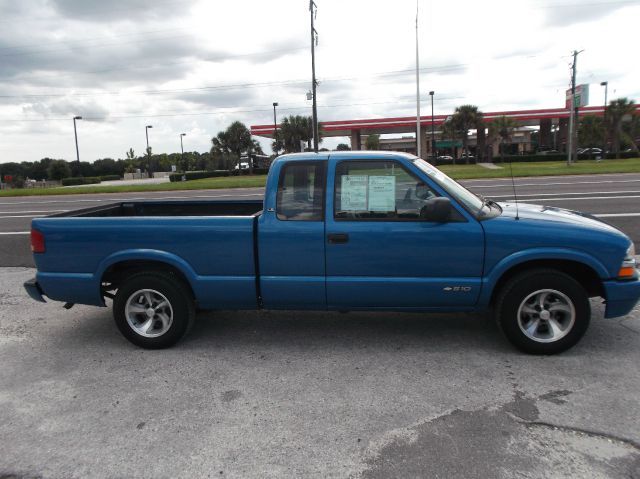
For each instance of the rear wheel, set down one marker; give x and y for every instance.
(153, 310)
(543, 311)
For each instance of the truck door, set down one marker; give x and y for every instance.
(381, 254)
(291, 237)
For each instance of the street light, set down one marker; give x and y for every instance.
(314, 41)
(146, 132)
(75, 133)
(184, 168)
(605, 84)
(433, 134)
(275, 127)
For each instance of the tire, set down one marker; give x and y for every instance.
(170, 317)
(543, 311)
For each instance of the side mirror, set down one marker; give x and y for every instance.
(437, 210)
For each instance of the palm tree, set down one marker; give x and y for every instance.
(235, 140)
(631, 132)
(591, 131)
(373, 142)
(451, 130)
(618, 111)
(502, 128)
(293, 130)
(466, 117)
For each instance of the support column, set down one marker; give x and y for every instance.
(356, 141)
(546, 141)
(563, 134)
(480, 143)
(424, 142)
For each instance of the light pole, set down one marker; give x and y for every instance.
(433, 133)
(418, 146)
(605, 84)
(184, 168)
(146, 132)
(275, 127)
(313, 8)
(75, 132)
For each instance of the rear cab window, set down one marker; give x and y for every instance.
(301, 191)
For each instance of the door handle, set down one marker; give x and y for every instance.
(338, 238)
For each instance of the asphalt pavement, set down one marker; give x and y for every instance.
(315, 395)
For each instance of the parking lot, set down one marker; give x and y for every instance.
(299, 394)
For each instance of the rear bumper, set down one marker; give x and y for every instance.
(34, 290)
(622, 296)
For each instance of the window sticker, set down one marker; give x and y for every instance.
(353, 193)
(382, 193)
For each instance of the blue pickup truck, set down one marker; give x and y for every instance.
(339, 232)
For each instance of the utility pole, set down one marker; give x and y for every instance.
(573, 115)
(605, 84)
(433, 131)
(313, 9)
(184, 166)
(75, 133)
(418, 149)
(146, 132)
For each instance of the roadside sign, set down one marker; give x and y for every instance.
(581, 98)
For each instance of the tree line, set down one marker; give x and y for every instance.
(619, 129)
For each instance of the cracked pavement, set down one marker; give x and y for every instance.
(299, 394)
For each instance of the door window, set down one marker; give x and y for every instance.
(378, 190)
(301, 192)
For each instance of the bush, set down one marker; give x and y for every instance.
(80, 180)
(109, 177)
(198, 175)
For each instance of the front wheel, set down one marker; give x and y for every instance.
(543, 311)
(153, 310)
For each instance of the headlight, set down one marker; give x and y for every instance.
(628, 268)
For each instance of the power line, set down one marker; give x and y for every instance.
(234, 85)
(225, 111)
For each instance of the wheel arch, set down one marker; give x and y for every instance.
(570, 261)
(583, 273)
(122, 265)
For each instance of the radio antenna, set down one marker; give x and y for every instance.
(513, 184)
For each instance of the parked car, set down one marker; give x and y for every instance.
(339, 231)
(591, 151)
(444, 160)
(241, 166)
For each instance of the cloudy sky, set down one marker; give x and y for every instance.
(195, 66)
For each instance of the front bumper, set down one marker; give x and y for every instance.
(34, 290)
(621, 297)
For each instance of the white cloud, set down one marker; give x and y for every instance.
(231, 60)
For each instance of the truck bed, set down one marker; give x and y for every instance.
(212, 241)
(168, 208)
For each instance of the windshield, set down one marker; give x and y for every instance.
(455, 189)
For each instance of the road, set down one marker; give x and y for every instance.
(614, 198)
